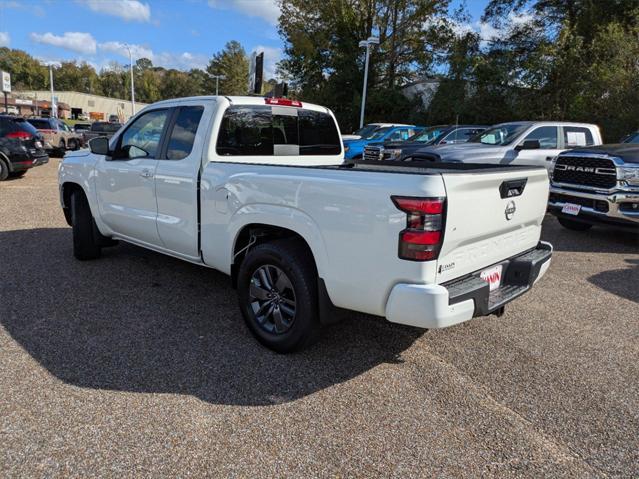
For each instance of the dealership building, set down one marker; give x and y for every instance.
(71, 104)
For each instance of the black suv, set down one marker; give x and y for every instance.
(21, 147)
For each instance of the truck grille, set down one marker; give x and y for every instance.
(371, 153)
(593, 172)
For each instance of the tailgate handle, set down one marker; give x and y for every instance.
(512, 188)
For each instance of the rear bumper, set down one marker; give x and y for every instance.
(439, 306)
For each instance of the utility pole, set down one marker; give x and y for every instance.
(54, 108)
(132, 85)
(366, 43)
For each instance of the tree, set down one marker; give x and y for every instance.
(324, 63)
(26, 72)
(233, 64)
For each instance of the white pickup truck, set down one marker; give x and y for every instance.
(258, 189)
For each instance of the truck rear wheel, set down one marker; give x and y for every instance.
(574, 225)
(277, 289)
(85, 246)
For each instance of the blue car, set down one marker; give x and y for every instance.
(354, 149)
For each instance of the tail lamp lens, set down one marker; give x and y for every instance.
(422, 238)
(19, 135)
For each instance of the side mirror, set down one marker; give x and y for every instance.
(99, 145)
(528, 145)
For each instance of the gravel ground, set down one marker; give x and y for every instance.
(139, 365)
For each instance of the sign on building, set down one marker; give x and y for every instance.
(6, 82)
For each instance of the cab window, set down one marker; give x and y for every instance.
(577, 136)
(546, 135)
(142, 138)
(276, 131)
(182, 135)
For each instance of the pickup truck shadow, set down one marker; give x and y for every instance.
(142, 322)
(622, 282)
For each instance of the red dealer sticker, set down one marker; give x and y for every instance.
(492, 276)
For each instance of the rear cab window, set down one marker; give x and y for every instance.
(279, 131)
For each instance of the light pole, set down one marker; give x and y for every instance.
(53, 111)
(217, 81)
(132, 84)
(366, 43)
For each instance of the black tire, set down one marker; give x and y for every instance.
(574, 225)
(73, 144)
(293, 259)
(18, 174)
(85, 246)
(4, 170)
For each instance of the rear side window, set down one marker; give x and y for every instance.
(268, 131)
(577, 136)
(41, 124)
(183, 134)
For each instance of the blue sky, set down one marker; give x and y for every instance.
(176, 34)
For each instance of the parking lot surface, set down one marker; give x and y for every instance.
(139, 364)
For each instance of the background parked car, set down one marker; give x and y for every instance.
(367, 130)
(517, 143)
(58, 136)
(100, 128)
(81, 127)
(21, 147)
(434, 135)
(632, 138)
(354, 149)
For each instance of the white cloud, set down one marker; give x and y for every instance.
(119, 48)
(486, 31)
(179, 61)
(5, 39)
(75, 41)
(272, 55)
(268, 10)
(129, 10)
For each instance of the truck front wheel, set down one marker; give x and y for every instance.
(277, 289)
(85, 246)
(574, 225)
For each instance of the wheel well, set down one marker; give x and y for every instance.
(256, 233)
(67, 191)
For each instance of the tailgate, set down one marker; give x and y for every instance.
(490, 216)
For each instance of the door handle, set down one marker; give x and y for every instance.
(146, 173)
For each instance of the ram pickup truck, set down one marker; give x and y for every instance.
(258, 188)
(518, 143)
(598, 185)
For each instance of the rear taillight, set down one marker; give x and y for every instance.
(422, 238)
(19, 135)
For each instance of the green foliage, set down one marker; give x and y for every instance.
(151, 83)
(233, 63)
(325, 65)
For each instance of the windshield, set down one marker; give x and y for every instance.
(634, 138)
(429, 134)
(500, 134)
(377, 134)
(106, 127)
(367, 130)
